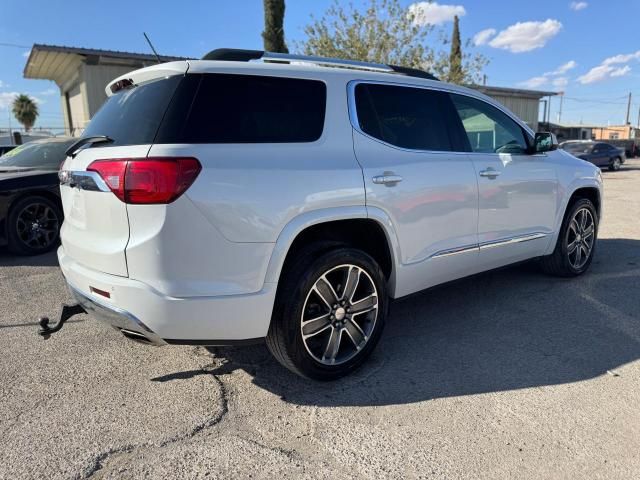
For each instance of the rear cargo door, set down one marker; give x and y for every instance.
(95, 231)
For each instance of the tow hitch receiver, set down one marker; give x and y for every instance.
(68, 311)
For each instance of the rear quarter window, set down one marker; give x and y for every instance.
(132, 116)
(249, 109)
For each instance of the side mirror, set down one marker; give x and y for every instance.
(544, 142)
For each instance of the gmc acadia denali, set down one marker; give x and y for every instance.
(253, 195)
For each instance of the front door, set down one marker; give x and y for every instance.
(518, 191)
(404, 144)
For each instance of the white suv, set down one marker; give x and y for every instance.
(251, 195)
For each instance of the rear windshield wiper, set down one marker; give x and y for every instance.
(72, 151)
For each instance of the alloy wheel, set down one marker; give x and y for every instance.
(339, 314)
(580, 238)
(37, 226)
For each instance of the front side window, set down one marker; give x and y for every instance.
(489, 130)
(402, 116)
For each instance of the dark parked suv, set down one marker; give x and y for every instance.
(598, 153)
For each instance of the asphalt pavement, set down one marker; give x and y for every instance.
(509, 374)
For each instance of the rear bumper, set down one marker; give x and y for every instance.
(136, 307)
(120, 319)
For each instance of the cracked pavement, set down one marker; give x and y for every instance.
(510, 374)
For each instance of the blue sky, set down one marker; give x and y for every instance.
(585, 48)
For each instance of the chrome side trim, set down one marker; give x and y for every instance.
(507, 241)
(114, 316)
(486, 245)
(84, 180)
(454, 251)
(353, 114)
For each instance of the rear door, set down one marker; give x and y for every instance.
(95, 231)
(404, 143)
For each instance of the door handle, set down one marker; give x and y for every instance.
(490, 173)
(387, 179)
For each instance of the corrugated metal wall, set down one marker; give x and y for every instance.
(525, 108)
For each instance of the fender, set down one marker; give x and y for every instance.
(581, 180)
(298, 224)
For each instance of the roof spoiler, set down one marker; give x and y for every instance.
(239, 55)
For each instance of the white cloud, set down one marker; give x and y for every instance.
(535, 82)
(526, 36)
(621, 72)
(49, 91)
(1, 84)
(26, 54)
(483, 36)
(624, 58)
(610, 68)
(554, 77)
(6, 99)
(564, 68)
(560, 82)
(577, 6)
(432, 13)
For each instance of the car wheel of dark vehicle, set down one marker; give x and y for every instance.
(615, 164)
(329, 314)
(33, 226)
(576, 243)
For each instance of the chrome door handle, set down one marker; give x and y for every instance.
(489, 173)
(387, 179)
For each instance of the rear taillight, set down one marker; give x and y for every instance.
(147, 180)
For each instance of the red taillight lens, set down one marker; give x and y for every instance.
(148, 180)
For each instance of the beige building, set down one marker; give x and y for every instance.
(616, 132)
(82, 74)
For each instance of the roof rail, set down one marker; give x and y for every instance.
(238, 55)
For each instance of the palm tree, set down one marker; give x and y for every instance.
(273, 34)
(25, 110)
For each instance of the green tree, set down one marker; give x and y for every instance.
(385, 32)
(25, 110)
(456, 75)
(273, 34)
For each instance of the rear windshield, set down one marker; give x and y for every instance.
(47, 156)
(132, 116)
(245, 109)
(578, 147)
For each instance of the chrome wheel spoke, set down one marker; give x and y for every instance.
(326, 292)
(365, 305)
(333, 345)
(588, 231)
(315, 326)
(355, 333)
(353, 278)
(572, 247)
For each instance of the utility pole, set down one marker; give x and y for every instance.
(560, 110)
(628, 109)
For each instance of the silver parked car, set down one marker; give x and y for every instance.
(252, 195)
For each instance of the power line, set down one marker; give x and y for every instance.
(14, 45)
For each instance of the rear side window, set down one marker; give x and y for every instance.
(254, 109)
(132, 116)
(406, 117)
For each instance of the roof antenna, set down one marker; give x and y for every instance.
(151, 45)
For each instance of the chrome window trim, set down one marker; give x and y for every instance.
(487, 245)
(353, 114)
(84, 180)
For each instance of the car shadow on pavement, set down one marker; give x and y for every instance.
(8, 259)
(509, 329)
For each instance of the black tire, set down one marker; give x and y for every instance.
(48, 217)
(295, 299)
(615, 164)
(561, 262)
